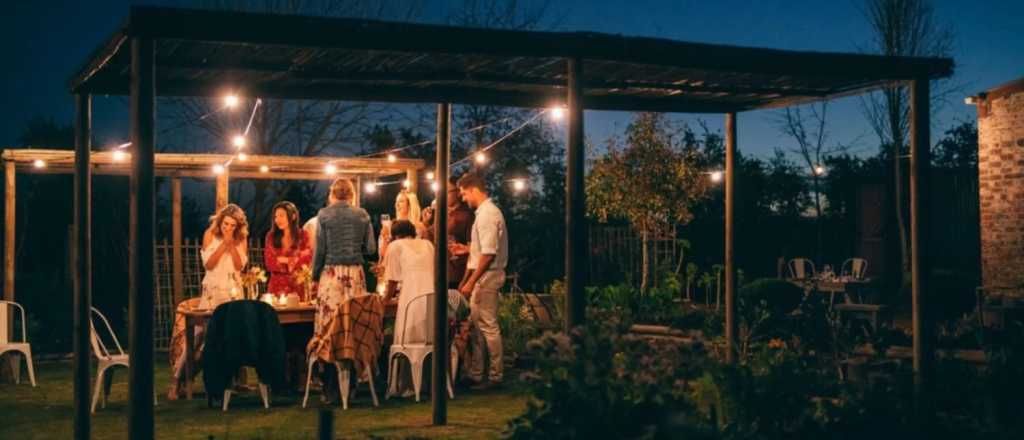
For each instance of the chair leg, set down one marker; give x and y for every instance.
(108, 382)
(264, 395)
(416, 368)
(31, 370)
(343, 385)
(309, 378)
(227, 398)
(96, 389)
(373, 391)
(392, 376)
(12, 359)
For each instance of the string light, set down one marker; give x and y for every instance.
(231, 101)
(430, 175)
(218, 169)
(518, 184)
(242, 156)
(392, 158)
(557, 113)
(406, 183)
(716, 176)
(119, 155)
(819, 170)
(238, 141)
(264, 169)
(39, 163)
(480, 157)
(370, 188)
(330, 168)
(434, 186)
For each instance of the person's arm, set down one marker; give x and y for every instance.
(319, 253)
(304, 255)
(270, 257)
(212, 257)
(238, 250)
(389, 289)
(473, 276)
(370, 245)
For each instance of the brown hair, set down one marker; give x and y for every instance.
(472, 180)
(293, 224)
(235, 212)
(402, 229)
(342, 189)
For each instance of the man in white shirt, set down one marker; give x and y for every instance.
(485, 274)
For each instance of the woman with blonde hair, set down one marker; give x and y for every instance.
(407, 207)
(225, 252)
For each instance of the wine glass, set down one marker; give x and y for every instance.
(385, 221)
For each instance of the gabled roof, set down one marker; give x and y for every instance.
(206, 53)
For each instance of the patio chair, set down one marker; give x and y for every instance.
(801, 268)
(107, 359)
(8, 344)
(244, 333)
(351, 340)
(855, 267)
(416, 351)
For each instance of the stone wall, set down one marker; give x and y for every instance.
(1001, 185)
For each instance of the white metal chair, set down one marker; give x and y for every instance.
(107, 359)
(343, 370)
(264, 394)
(416, 352)
(7, 342)
(801, 268)
(855, 267)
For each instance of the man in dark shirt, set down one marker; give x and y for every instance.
(460, 224)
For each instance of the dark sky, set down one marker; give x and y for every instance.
(44, 42)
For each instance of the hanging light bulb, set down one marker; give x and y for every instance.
(434, 186)
(231, 101)
(39, 163)
(557, 113)
(716, 176)
(330, 168)
(370, 188)
(264, 169)
(406, 183)
(819, 170)
(392, 158)
(481, 158)
(242, 156)
(430, 175)
(518, 185)
(218, 169)
(238, 141)
(119, 155)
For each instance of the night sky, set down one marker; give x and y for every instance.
(45, 42)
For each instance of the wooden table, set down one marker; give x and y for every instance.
(837, 286)
(285, 315)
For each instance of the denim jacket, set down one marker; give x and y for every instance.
(344, 236)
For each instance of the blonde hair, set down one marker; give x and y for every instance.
(414, 205)
(235, 212)
(342, 190)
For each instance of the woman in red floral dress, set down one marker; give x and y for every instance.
(286, 251)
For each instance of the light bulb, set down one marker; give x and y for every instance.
(119, 155)
(481, 157)
(330, 168)
(716, 176)
(218, 169)
(430, 175)
(230, 101)
(39, 163)
(238, 141)
(518, 184)
(242, 157)
(557, 113)
(370, 188)
(392, 158)
(264, 169)
(819, 170)
(406, 183)
(434, 186)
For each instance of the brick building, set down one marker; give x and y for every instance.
(1001, 184)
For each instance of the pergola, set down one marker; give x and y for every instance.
(198, 166)
(178, 52)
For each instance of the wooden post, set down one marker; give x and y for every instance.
(10, 222)
(410, 177)
(357, 196)
(730, 267)
(82, 277)
(920, 159)
(222, 189)
(575, 218)
(440, 373)
(177, 273)
(141, 235)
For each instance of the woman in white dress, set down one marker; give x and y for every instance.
(409, 269)
(225, 252)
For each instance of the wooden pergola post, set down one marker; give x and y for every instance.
(177, 271)
(357, 197)
(440, 372)
(82, 264)
(10, 222)
(410, 177)
(730, 225)
(920, 164)
(575, 218)
(222, 189)
(141, 235)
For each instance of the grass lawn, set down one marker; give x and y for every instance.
(46, 412)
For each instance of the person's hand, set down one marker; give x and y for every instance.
(466, 290)
(457, 249)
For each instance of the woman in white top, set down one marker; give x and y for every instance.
(409, 267)
(225, 252)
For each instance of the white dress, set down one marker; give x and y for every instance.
(218, 282)
(410, 262)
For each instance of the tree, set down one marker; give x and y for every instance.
(652, 181)
(958, 148)
(902, 28)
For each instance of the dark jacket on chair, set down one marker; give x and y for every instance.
(243, 333)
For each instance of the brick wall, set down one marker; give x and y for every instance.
(1001, 188)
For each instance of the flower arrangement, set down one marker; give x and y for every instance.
(249, 279)
(304, 277)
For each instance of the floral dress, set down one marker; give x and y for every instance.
(219, 282)
(337, 283)
(282, 277)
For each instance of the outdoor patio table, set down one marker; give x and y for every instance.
(847, 288)
(285, 315)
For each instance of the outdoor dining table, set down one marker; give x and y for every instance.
(843, 286)
(303, 313)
